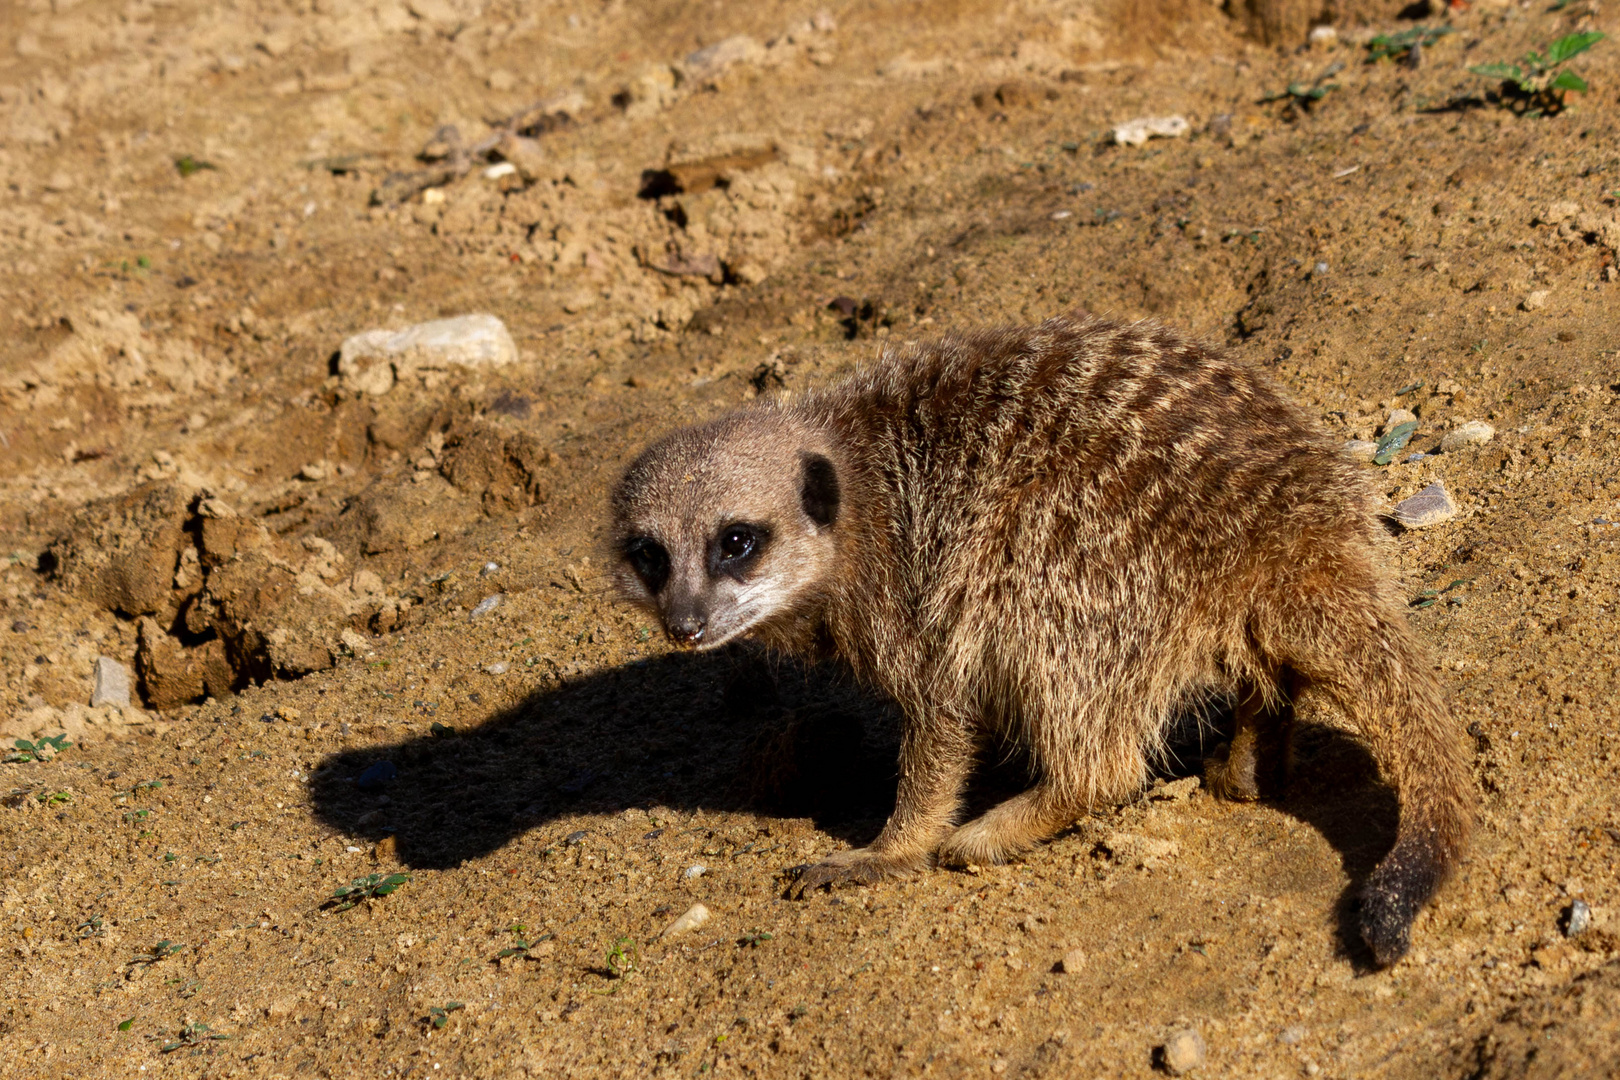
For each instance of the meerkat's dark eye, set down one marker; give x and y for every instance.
(738, 542)
(650, 561)
(735, 548)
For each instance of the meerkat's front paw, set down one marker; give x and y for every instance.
(858, 866)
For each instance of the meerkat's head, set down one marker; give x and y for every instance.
(724, 526)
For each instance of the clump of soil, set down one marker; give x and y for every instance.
(365, 625)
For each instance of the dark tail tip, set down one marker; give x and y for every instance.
(1396, 892)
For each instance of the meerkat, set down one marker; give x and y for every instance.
(1065, 536)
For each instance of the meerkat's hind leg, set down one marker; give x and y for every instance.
(1259, 758)
(1010, 828)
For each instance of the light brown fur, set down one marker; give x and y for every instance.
(1065, 535)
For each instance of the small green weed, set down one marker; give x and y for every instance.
(1538, 83)
(439, 1015)
(1403, 43)
(191, 1035)
(623, 958)
(189, 165)
(159, 951)
(365, 888)
(753, 938)
(52, 798)
(24, 751)
(125, 1025)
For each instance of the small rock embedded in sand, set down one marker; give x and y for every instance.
(1174, 790)
(1559, 212)
(695, 871)
(1397, 417)
(1473, 433)
(1137, 132)
(372, 362)
(694, 917)
(1184, 1051)
(112, 683)
(1360, 449)
(499, 667)
(1072, 961)
(1578, 919)
(1536, 300)
(1428, 507)
(708, 62)
(485, 606)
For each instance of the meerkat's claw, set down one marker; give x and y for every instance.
(858, 866)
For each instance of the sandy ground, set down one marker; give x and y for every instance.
(706, 203)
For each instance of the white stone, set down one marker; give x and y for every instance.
(500, 169)
(1473, 433)
(1184, 1051)
(1431, 506)
(373, 361)
(1139, 131)
(694, 917)
(1536, 300)
(1360, 449)
(112, 683)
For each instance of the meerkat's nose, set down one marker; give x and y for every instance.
(687, 629)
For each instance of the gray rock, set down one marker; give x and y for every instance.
(485, 606)
(1473, 433)
(1184, 1051)
(1431, 506)
(112, 683)
(696, 871)
(1577, 919)
(371, 362)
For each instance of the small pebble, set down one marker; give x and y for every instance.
(1293, 1036)
(19, 626)
(1473, 433)
(376, 775)
(1398, 417)
(485, 606)
(694, 917)
(1577, 919)
(314, 471)
(1073, 961)
(496, 171)
(1184, 1051)
(498, 667)
(1431, 506)
(696, 871)
(1536, 300)
(112, 683)
(574, 838)
(1414, 458)
(1137, 132)
(1360, 449)
(489, 568)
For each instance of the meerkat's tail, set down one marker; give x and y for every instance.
(1364, 656)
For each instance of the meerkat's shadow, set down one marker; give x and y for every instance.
(737, 731)
(730, 731)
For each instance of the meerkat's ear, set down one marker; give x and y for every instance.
(818, 489)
